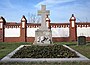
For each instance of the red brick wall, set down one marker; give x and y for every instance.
(30, 39)
(60, 39)
(1, 35)
(88, 38)
(12, 39)
(23, 32)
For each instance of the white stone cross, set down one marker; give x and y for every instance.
(43, 12)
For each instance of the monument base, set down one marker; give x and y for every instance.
(43, 37)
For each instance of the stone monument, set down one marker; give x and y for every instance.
(43, 35)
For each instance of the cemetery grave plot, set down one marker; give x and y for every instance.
(50, 51)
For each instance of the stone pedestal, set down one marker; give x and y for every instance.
(43, 37)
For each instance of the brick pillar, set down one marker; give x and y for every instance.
(48, 22)
(72, 28)
(23, 29)
(2, 22)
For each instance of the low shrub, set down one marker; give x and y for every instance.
(51, 51)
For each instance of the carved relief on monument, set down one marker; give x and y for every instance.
(43, 39)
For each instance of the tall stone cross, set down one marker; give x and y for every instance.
(43, 12)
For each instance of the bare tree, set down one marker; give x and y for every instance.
(32, 18)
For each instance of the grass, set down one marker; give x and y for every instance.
(84, 50)
(6, 48)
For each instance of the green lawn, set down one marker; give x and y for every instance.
(84, 50)
(6, 48)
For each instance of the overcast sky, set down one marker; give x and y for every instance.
(60, 10)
